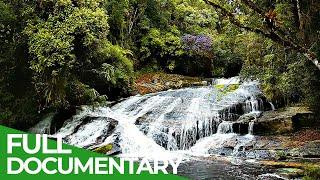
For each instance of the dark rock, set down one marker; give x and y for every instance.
(278, 125)
(240, 127)
(285, 121)
(60, 117)
(303, 120)
(224, 151)
(309, 150)
(107, 131)
(261, 154)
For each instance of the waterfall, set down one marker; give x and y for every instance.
(225, 127)
(242, 141)
(272, 106)
(250, 129)
(44, 126)
(163, 123)
(253, 105)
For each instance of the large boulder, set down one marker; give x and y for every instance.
(283, 121)
(89, 131)
(309, 150)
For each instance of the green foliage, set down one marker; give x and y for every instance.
(159, 44)
(311, 173)
(65, 43)
(48, 48)
(285, 75)
(52, 42)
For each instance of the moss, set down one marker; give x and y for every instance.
(104, 149)
(219, 86)
(233, 87)
(79, 93)
(290, 173)
(225, 90)
(283, 164)
(281, 155)
(312, 172)
(229, 88)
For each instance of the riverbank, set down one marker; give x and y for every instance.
(152, 82)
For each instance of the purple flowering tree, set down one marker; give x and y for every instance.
(197, 44)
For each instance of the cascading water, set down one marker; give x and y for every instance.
(225, 127)
(272, 106)
(43, 127)
(250, 130)
(164, 123)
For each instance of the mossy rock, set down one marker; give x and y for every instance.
(226, 89)
(312, 172)
(290, 173)
(104, 149)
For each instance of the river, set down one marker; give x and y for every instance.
(191, 123)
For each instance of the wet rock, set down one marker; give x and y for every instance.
(109, 149)
(231, 143)
(312, 149)
(60, 117)
(279, 122)
(278, 125)
(204, 83)
(261, 154)
(290, 173)
(156, 82)
(250, 117)
(105, 126)
(309, 150)
(266, 104)
(240, 127)
(200, 83)
(265, 143)
(223, 151)
(246, 118)
(87, 119)
(44, 126)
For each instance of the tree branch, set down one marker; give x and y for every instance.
(263, 13)
(274, 36)
(254, 7)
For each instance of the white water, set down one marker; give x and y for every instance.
(43, 127)
(227, 81)
(272, 106)
(270, 176)
(225, 127)
(251, 124)
(167, 124)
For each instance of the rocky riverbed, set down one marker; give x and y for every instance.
(231, 125)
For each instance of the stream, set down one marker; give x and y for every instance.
(195, 124)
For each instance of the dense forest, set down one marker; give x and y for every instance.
(58, 54)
